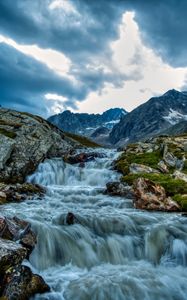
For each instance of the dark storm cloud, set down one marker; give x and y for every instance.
(163, 24)
(89, 31)
(84, 35)
(24, 82)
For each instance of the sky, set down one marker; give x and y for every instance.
(90, 55)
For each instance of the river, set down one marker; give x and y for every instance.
(112, 252)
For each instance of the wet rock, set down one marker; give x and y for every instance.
(119, 189)
(19, 192)
(151, 196)
(16, 243)
(11, 254)
(179, 175)
(138, 169)
(70, 218)
(18, 230)
(22, 284)
(83, 157)
(163, 167)
(3, 197)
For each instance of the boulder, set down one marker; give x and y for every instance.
(22, 284)
(152, 196)
(11, 254)
(163, 167)
(19, 192)
(179, 175)
(81, 158)
(119, 189)
(6, 147)
(25, 141)
(16, 243)
(138, 169)
(169, 159)
(18, 230)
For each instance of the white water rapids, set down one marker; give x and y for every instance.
(112, 252)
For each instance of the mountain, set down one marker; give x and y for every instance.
(177, 129)
(86, 124)
(151, 118)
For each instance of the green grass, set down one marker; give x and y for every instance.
(148, 159)
(8, 133)
(82, 140)
(181, 200)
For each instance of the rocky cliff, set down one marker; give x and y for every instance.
(151, 118)
(25, 141)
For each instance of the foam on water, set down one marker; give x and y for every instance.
(113, 251)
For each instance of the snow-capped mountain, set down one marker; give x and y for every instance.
(151, 118)
(86, 124)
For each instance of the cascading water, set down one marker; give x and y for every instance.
(112, 252)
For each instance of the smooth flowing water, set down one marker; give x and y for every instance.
(112, 252)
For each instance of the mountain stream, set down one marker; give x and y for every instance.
(112, 252)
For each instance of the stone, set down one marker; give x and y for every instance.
(32, 141)
(138, 169)
(170, 159)
(18, 230)
(3, 197)
(11, 254)
(83, 157)
(119, 189)
(22, 284)
(152, 196)
(179, 175)
(19, 192)
(6, 147)
(163, 167)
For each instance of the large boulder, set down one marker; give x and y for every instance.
(152, 196)
(180, 175)
(25, 141)
(18, 192)
(22, 284)
(17, 241)
(82, 157)
(119, 189)
(139, 168)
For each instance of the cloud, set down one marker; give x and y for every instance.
(163, 26)
(83, 29)
(25, 81)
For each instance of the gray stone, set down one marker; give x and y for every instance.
(34, 139)
(6, 147)
(179, 175)
(138, 169)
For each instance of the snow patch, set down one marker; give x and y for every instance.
(175, 117)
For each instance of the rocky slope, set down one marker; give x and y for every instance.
(25, 141)
(155, 172)
(85, 124)
(17, 241)
(151, 118)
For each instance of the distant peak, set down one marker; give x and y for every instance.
(171, 92)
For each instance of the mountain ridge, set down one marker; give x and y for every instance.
(151, 118)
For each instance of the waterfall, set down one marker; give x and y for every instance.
(112, 251)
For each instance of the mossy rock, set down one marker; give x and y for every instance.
(171, 185)
(147, 159)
